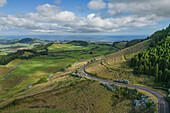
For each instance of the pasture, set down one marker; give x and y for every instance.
(59, 57)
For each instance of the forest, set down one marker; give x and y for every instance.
(156, 60)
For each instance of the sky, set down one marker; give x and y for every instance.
(83, 17)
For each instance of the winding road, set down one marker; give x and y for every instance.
(162, 101)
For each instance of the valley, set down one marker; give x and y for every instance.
(79, 76)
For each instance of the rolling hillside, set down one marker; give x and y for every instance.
(116, 66)
(63, 92)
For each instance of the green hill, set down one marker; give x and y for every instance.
(26, 40)
(79, 43)
(156, 60)
(30, 89)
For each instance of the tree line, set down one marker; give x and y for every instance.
(156, 60)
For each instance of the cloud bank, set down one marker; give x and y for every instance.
(96, 5)
(3, 3)
(119, 15)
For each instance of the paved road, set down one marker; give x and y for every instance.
(163, 103)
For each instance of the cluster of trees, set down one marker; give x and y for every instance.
(5, 59)
(37, 51)
(156, 60)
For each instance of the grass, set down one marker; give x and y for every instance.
(31, 71)
(11, 48)
(115, 66)
(63, 93)
(85, 96)
(126, 105)
(15, 62)
(27, 54)
(60, 56)
(4, 71)
(121, 45)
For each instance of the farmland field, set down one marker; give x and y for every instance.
(59, 57)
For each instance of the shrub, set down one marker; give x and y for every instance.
(125, 81)
(108, 86)
(63, 69)
(77, 75)
(42, 80)
(70, 65)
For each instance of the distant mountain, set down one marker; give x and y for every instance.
(79, 43)
(26, 40)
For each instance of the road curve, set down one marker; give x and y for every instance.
(162, 101)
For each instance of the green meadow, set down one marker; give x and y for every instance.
(59, 57)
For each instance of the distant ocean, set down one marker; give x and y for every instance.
(103, 38)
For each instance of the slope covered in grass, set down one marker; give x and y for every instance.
(156, 60)
(63, 93)
(58, 58)
(116, 65)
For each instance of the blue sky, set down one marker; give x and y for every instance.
(85, 17)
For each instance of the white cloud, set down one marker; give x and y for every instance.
(96, 4)
(12, 21)
(159, 8)
(51, 13)
(50, 19)
(3, 3)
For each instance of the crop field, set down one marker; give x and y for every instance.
(115, 66)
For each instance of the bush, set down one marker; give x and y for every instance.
(63, 69)
(168, 90)
(70, 65)
(42, 80)
(77, 75)
(125, 81)
(108, 86)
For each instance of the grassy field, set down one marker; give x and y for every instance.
(11, 48)
(121, 45)
(115, 66)
(84, 96)
(15, 62)
(63, 93)
(59, 57)
(4, 71)
(27, 54)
